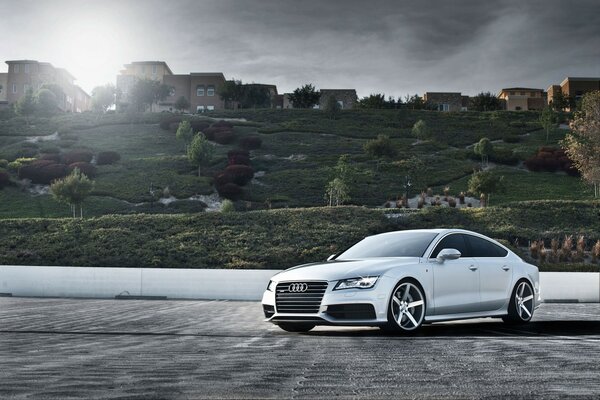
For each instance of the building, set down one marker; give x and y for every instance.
(445, 101)
(3, 90)
(574, 88)
(30, 74)
(199, 88)
(523, 99)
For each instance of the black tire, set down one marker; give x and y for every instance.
(519, 311)
(399, 308)
(296, 327)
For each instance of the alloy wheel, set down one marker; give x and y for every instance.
(524, 301)
(408, 306)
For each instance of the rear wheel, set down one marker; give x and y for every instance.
(296, 327)
(520, 308)
(406, 310)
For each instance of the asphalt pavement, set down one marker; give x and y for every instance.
(140, 349)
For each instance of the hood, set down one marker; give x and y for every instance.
(335, 270)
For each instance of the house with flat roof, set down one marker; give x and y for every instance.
(523, 99)
(574, 88)
(23, 75)
(444, 101)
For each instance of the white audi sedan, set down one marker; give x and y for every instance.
(400, 280)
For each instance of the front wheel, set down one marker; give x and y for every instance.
(520, 308)
(406, 310)
(296, 327)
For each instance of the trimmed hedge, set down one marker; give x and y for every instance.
(4, 179)
(264, 239)
(107, 157)
(77, 156)
(43, 171)
(86, 168)
(239, 174)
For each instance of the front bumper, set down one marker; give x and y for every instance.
(339, 307)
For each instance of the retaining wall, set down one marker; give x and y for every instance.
(219, 284)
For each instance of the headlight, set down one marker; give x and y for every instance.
(366, 282)
(271, 286)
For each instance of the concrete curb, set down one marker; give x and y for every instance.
(217, 284)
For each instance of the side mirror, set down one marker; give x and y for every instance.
(331, 257)
(448, 254)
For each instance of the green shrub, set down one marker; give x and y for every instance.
(227, 206)
(3, 163)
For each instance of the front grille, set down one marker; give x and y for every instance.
(351, 311)
(306, 302)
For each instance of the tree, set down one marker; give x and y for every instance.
(486, 183)
(200, 151)
(147, 92)
(380, 147)
(103, 97)
(332, 107)
(255, 96)
(420, 130)
(26, 104)
(305, 97)
(484, 148)
(378, 101)
(336, 192)
(415, 102)
(582, 143)
(185, 132)
(72, 190)
(561, 101)
(485, 102)
(548, 120)
(45, 102)
(231, 92)
(182, 104)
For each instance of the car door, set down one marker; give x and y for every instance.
(455, 282)
(495, 273)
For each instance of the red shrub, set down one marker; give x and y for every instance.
(223, 124)
(167, 120)
(238, 157)
(4, 179)
(251, 142)
(224, 137)
(240, 174)
(212, 131)
(86, 168)
(222, 178)
(551, 159)
(52, 157)
(40, 172)
(230, 191)
(199, 126)
(108, 157)
(77, 156)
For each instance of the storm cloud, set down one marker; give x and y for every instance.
(396, 47)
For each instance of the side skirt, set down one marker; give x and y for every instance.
(452, 317)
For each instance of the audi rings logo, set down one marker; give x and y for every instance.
(298, 287)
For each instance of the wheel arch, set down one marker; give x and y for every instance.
(413, 280)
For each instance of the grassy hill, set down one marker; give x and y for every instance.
(299, 148)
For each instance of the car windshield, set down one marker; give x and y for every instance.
(398, 244)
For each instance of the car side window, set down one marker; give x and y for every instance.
(485, 248)
(453, 241)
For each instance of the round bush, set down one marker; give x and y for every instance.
(77, 156)
(3, 163)
(199, 126)
(4, 179)
(168, 119)
(240, 174)
(223, 124)
(86, 168)
(222, 178)
(251, 142)
(210, 132)
(224, 137)
(107, 157)
(43, 173)
(230, 191)
(52, 157)
(241, 157)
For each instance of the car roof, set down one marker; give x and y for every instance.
(439, 230)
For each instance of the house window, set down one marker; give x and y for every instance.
(172, 92)
(210, 90)
(26, 68)
(522, 93)
(16, 68)
(199, 109)
(200, 90)
(512, 93)
(443, 107)
(210, 108)
(154, 70)
(341, 104)
(14, 88)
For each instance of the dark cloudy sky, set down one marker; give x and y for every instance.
(396, 47)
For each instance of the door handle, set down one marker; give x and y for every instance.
(473, 268)
(505, 267)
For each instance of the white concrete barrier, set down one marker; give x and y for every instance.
(221, 284)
